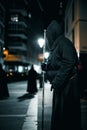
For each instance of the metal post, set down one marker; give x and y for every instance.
(43, 82)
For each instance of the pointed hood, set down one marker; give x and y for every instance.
(54, 30)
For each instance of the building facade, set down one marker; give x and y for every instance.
(15, 35)
(2, 31)
(76, 24)
(76, 31)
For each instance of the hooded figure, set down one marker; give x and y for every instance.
(32, 77)
(61, 71)
(4, 93)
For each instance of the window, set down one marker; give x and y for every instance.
(14, 18)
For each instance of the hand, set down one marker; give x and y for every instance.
(44, 66)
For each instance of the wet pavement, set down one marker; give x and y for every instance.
(23, 111)
(14, 111)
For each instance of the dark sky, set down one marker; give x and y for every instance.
(43, 11)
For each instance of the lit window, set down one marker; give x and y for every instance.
(14, 18)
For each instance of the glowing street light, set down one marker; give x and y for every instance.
(46, 55)
(41, 42)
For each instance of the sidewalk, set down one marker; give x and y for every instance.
(22, 111)
(30, 122)
(44, 121)
(33, 120)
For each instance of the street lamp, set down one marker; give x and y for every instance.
(41, 42)
(45, 54)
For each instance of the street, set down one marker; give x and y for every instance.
(14, 109)
(22, 111)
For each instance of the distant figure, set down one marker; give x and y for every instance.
(3, 84)
(32, 77)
